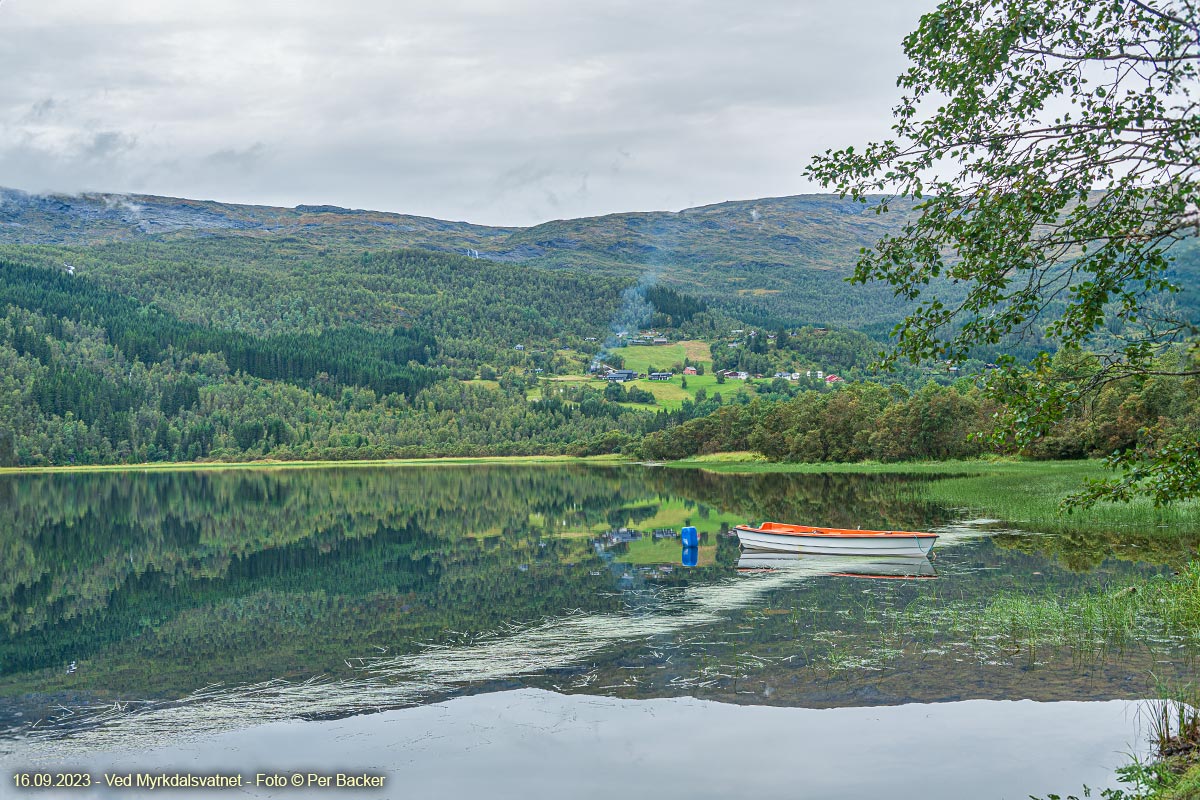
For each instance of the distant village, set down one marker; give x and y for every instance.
(651, 338)
(808, 375)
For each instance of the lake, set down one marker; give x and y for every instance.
(537, 631)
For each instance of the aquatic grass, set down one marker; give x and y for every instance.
(1007, 628)
(1173, 718)
(1090, 623)
(1032, 493)
(1177, 602)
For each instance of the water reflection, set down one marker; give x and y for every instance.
(203, 602)
(529, 745)
(751, 561)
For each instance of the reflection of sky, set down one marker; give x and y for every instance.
(530, 744)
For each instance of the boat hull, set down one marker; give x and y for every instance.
(843, 544)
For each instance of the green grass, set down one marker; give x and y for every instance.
(721, 462)
(663, 357)
(739, 457)
(1187, 786)
(1031, 493)
(671, 394)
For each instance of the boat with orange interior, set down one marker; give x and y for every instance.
(780, 537)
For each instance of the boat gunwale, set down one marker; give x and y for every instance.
(804, 530)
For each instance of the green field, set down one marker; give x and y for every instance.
(671, 394)
(668, 394)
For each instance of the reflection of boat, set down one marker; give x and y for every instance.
(779, 537)
(900, 567)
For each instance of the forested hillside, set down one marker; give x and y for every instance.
(88, 375)
(477, 310)
(765, 260)
(770, 261)
(148, 329)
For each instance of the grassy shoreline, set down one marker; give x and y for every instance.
(746, 462)
(201, 466)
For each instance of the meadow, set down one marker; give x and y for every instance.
(671, 394)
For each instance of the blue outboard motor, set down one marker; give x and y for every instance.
(691, 556)
(690, 537)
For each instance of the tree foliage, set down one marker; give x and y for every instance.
(1054, 150)
(351, 355)
(870, 421)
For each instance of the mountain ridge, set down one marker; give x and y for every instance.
(165, 214)
(767, 258)
(768, 261)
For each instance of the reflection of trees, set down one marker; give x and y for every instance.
(70, 543)
(199, 563)
(57, 526)
(268, 572)
(164, 582)
(836, 499)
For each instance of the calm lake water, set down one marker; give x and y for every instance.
(524, 632)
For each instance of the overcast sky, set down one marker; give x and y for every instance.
(492, 111)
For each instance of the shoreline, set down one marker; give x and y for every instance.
(210, 466)
(725, 463)
(749, 464)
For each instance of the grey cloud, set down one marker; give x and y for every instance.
(500, 112)
(108, 144)
(243, 160)
(41, 109)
